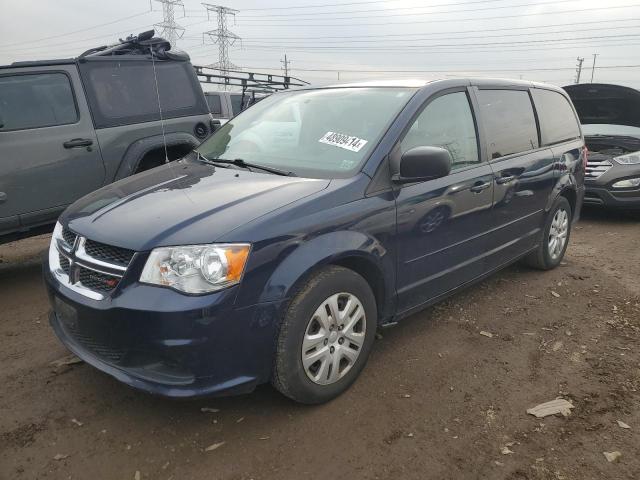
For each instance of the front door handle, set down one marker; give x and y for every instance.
(505, 179)
(479, 187)
(78, 142)
(3, 197)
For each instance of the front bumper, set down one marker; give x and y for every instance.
(610, 197)
(166, 343)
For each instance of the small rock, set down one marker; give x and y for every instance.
(379, 336)
(78, 423)
(264, 438)
(486, 334)
(214, 446)
(137, 475)
(622, 424)
(506, 451)
(60, 456)
(612, 456)
(240, 420)
(555, 294)
(410, 435)
(557, 346)
(568, 333)
(406, 395)
(209, 410)
(499, 464)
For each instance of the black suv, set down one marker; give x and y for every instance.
(610, 117)
(68, 127)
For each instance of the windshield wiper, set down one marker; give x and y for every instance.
(238, 162)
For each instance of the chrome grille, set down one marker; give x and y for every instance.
(64, 263)
(595, 168)
(98, 281)
(69, 238)
(108, 253)
(88, 267)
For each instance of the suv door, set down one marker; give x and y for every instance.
(442, 223)
(523, 172)
(49, 155)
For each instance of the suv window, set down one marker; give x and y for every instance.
(236, 103)
(557, 120)
(215, 105)
(124, 92)
(36, 100)
(509, 121)
(446, 122)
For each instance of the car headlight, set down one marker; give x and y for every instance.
(196, 268)
(628, 159)
(628, 183)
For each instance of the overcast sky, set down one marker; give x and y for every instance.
(331, 41)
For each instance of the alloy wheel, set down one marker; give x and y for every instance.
(558, 233)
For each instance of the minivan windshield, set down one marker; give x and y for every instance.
(323, 133)
(609, 129)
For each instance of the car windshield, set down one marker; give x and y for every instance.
(324, 133)
(609, 129)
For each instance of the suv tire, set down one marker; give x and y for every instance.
(549, 253)
(325, 337)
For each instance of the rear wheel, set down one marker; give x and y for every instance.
(325, 337)
(555, 237)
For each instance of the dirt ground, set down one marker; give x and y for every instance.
(438, 400)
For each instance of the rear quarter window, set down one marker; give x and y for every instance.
(509, 121)
(558, 122)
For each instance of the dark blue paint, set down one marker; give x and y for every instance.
(181, 345)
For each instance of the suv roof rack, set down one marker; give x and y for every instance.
(248, 81)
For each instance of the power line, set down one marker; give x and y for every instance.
(453, 20)
(548, 69)
(326, 5)
(436, 45)
(77, 31)
(483, 30)
(388, 10)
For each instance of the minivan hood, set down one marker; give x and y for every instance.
(606, 104)
(184, 202)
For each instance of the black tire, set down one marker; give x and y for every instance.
(289, 376)
(541, 258)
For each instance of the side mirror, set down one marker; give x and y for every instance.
(423, 163)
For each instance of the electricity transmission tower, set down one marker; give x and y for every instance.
(222, 36)
(168, 28)
(285, 65)
(579, 69)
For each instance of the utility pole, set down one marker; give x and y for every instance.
(285, 65)
(222, 36)
(168, 28)
(593, 68)
(579, 69)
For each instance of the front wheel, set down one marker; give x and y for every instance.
(326, 336)
(555, 237)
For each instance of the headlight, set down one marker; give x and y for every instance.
(196, 268)
(628, 183)
(628, 159)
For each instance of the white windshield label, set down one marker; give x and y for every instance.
(341, 140)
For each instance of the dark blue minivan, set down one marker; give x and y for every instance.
(275, 250)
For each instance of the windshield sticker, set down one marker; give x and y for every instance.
(347, 142)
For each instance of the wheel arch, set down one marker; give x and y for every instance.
(144, 146)
(356, 251)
